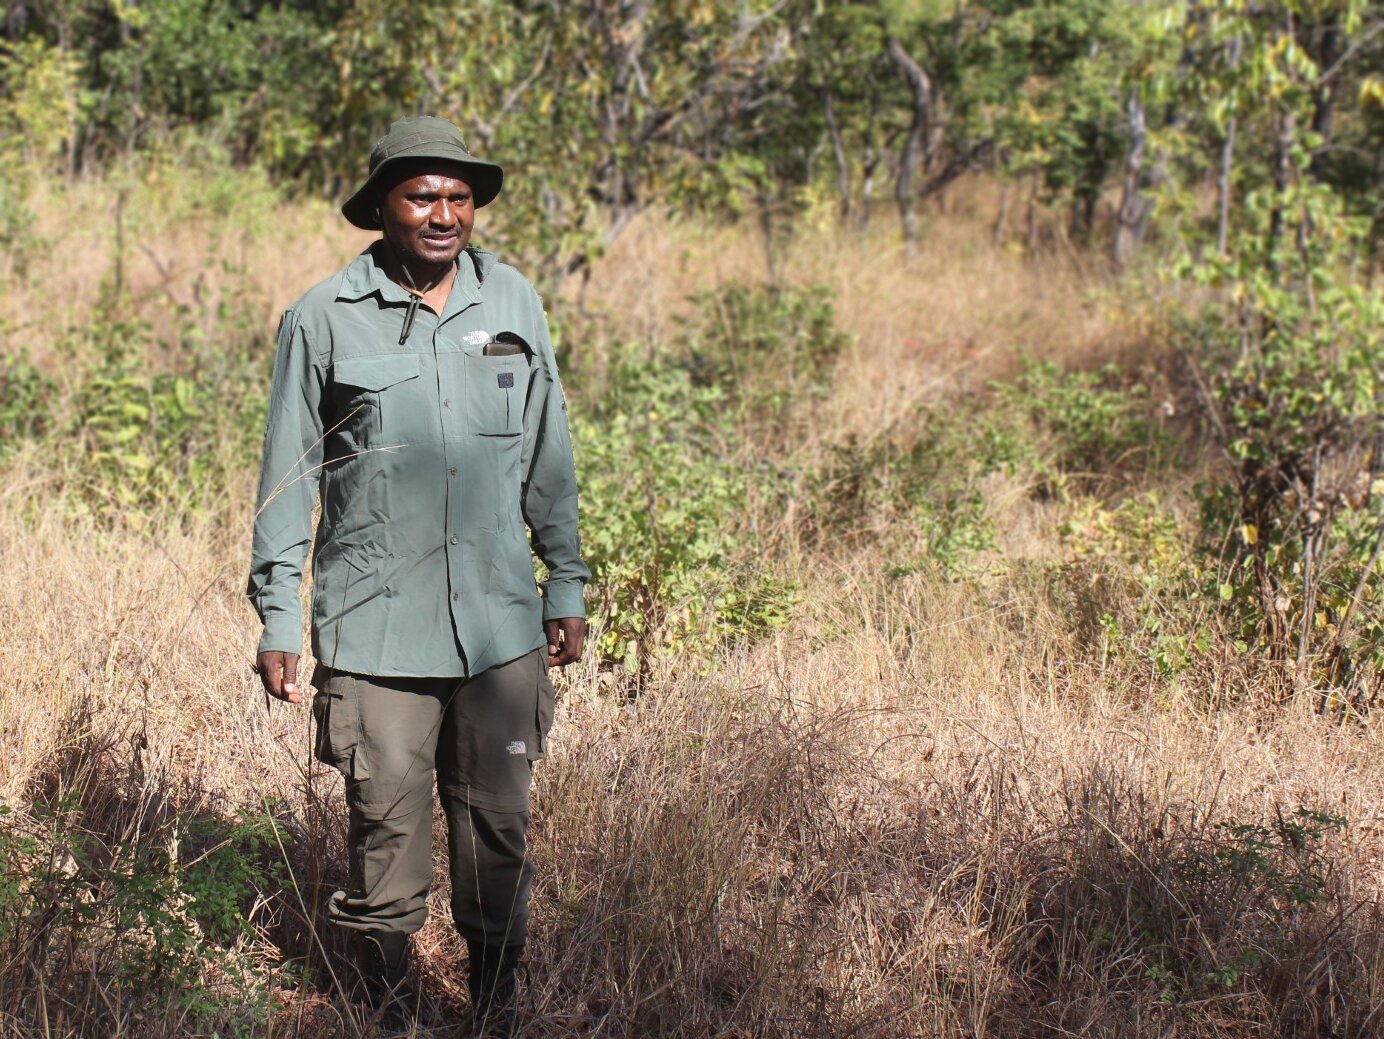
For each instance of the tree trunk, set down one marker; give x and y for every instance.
(1031, 221)
(838, 152)
(1224, 180)
(1324, 97)
(1001, 225)
(1135, 206)
(915, 142)
(1224, 186)
(1285, 133)
(932, 144)
(16, 17)
(1081, 217)
(869, 162)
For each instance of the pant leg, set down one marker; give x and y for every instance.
(491, 874)
(493, 730)
(382, 734)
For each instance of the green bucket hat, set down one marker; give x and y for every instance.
(419, 137)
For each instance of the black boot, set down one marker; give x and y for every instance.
(493, 989)
(382, 960)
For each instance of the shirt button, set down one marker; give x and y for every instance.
(456, 596)
(454, 539)
(452, 471)
(446, 402)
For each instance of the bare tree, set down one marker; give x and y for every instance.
(1135, 204)
(914, 158)
(838, 151)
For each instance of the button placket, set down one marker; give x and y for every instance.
(452, 432)
(448, 418)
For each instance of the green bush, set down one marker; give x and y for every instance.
(926, 489)
(1078, 430)
(154, 924)
(41, 102)
(770, 351)
(1139, 592)
(667, 508)
(1281, 870)
(1289, 365)
(26, 402)
(787, 331)
(1067, 432)
(161, 440)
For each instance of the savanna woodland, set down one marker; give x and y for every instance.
(977, 412)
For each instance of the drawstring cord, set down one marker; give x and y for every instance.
(415, 298)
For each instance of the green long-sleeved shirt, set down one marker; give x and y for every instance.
(430, 460)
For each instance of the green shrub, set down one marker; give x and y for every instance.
(667, 506)
(770, 352)
(1280, 869)
(788, 331)
(154, 923)
(926, 490)
(1289, 365)
(166, 439)
(42, 100)
(1065, 431)
(926, 487)
(26, 402)
(1078, 430)
(1140, 590)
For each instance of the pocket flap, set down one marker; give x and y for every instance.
(376, 373)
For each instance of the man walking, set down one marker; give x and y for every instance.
(416, 392)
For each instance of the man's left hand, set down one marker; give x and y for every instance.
(565, 636)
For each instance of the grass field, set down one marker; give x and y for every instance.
(942, 797)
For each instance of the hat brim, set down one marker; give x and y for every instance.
(484, 178)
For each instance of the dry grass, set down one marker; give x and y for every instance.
(963, 311)
(921, 810)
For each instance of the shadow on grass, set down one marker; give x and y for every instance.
(1112, 910)
(133, 901)
(771, 881)
(730, 871)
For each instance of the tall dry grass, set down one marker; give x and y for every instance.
(918, 810)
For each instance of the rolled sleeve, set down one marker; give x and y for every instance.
(289, 471)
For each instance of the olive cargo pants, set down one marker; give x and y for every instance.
(480, 735)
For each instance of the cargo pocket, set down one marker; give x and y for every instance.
(544, 707)
(336, 710)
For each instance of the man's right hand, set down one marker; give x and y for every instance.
(279, 673)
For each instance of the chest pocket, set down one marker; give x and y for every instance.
(496, 388)
(368, 384)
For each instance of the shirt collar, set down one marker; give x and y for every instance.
(364, 276)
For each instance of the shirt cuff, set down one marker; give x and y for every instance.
(282, 635)
(563, 599)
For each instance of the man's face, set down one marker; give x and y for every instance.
(428, 218)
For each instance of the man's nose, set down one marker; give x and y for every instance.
(443, 214)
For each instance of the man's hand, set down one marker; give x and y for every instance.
(279, 673)
(565, 636)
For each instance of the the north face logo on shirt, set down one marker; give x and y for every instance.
(476, 338)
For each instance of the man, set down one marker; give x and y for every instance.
(417, 392)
